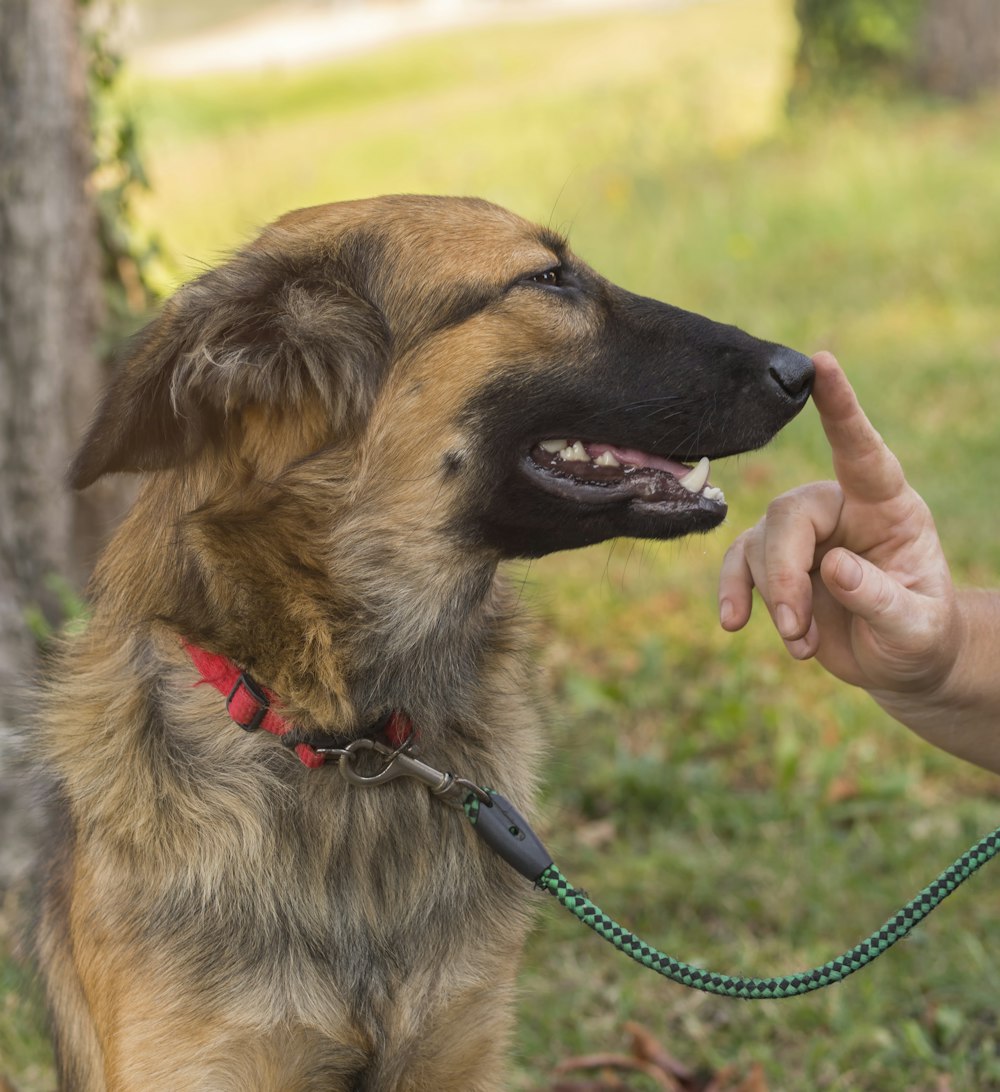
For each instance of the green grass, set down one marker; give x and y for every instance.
(739, 809)
(551, 119)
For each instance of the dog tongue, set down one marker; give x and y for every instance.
(639, 458)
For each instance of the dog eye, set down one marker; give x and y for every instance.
(551, 278)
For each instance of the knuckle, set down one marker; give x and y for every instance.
(879, 592)
(782, 572)
(779, 507)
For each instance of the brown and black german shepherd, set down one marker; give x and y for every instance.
(343, 431)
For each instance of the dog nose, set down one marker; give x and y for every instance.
(792, 372)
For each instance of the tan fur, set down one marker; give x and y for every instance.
(379, 943)
(329, 427)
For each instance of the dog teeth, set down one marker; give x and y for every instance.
(575, 453)
(694, 480)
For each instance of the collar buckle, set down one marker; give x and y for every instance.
(247, 703)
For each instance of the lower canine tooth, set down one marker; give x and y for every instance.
(694, 480)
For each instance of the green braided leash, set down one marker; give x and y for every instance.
(499, 825)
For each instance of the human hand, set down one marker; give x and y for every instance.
(851, 571)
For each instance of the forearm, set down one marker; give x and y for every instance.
(962, 714)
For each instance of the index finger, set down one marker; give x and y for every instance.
(866, 469)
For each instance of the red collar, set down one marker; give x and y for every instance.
(253, 706)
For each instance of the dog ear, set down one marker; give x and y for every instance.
(262, 330)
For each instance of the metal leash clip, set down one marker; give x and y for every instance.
(401, 763)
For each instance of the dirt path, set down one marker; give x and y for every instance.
(294, 35)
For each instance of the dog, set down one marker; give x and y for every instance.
(342, 431)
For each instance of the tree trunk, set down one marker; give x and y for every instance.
(50, 302)
(958, 46)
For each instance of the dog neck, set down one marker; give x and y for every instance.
(338, 614)
(254, 707)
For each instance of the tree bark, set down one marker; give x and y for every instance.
(50, 303)
(958, 47)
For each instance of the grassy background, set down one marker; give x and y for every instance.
(737, 808)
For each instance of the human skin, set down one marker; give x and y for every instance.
(852, 572)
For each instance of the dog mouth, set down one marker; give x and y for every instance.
(601, 473)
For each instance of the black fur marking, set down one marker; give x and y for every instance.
(461, 304)
(554, 241)
(452, 463)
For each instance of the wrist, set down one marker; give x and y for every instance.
(958, 711)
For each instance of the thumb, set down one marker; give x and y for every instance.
(866, 591)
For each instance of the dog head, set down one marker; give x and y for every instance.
(462, 368)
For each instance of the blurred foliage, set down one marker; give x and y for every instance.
(25, 1053)
(130, 253)
(71, 606)
(848, 46)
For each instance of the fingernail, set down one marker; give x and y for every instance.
(785, 620)
(799, 649)
(848, 573)
(803, 648)
(726, 612)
